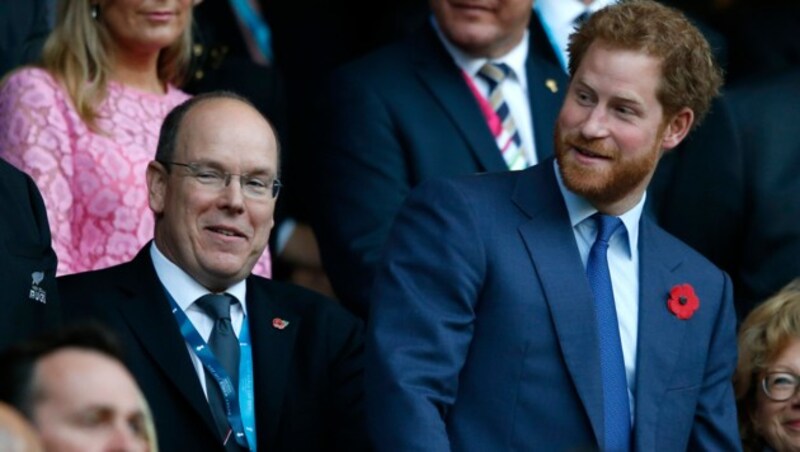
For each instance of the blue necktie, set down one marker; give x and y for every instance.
(616, 412)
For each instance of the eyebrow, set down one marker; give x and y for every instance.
(614, 97)
(219, 166)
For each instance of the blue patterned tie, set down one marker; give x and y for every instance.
(616, 412)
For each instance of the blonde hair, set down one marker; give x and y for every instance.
(77, 54)
(765, 333)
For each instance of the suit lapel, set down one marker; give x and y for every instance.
(550, 241)
(659, 330)
(547, 84)
(147, 311)
(439, 74)
(273, 349)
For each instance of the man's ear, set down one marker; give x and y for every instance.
(156, 186)
(677, 128)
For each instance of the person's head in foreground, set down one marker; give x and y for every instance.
(768, 374)
(641, 77)
(76, 392)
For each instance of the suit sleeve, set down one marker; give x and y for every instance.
(422, 320)
(29, 302)
(715, 425)
(347, 378)
(363, 181)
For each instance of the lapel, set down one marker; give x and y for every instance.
(547, 84)
(439, 74)
(146, 309)
(660, 332)
(550, 241)
(273, 350)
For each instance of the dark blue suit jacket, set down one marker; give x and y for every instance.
(308, 375)
(482, 333)
(398, 117)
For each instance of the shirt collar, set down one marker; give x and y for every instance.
(183, 288)
(515, 59)
(579, 209)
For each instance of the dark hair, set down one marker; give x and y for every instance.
(690, 77)
(18, 363)
(168, 137)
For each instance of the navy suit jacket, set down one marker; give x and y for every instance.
(398, 117)
(308, 376)
(29, 299)
(482, 333)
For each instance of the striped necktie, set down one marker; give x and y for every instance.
(506, 136)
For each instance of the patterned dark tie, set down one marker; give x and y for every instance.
(616, 411)
(225, 347)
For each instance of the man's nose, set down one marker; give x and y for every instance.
(596, 124)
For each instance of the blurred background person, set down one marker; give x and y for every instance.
(460, 95)
(16, 434)
(85, 123)
(73, 387)
(768, 374)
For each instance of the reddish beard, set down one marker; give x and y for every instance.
(608, 184)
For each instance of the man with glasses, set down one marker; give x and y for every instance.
(228, 360)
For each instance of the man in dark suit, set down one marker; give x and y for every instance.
(29, 302)
(416, 110)
(297, 354)
(541, 309)
(745, 218)
(764, 113)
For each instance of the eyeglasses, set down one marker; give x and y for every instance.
(780, 386)
(255, 187)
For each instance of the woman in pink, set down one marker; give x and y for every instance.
(86, 124)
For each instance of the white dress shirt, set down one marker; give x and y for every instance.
(623, 266)
(185, 291)
(514, 87)
(558, 18)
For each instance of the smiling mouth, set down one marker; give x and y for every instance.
(470, 6)
(226, 232)
(589, 153)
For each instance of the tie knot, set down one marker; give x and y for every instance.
(216, 306)
(494, 73)
(607, 225)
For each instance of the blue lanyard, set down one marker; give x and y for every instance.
(259, 29)
(241, 410)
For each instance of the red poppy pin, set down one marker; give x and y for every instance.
(683, 301)
(279, 323)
